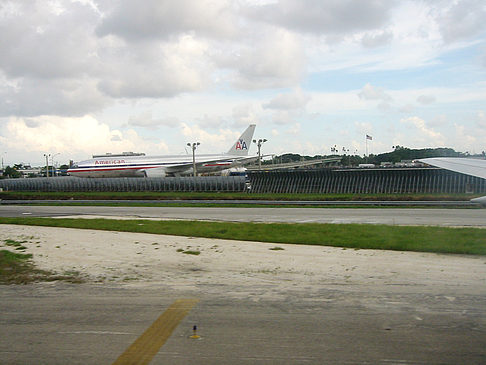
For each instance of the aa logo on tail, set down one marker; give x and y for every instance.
(241, 145)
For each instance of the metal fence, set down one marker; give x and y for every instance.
(351, 181)
(69, 183)
(374, 181)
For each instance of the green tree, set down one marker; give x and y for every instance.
(11, 172)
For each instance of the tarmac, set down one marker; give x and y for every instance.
(252, 304)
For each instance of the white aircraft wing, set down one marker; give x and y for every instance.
(468, 166)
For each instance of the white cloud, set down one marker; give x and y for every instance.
(295, 100)
(40, 42)
(463, 138)
(324, 17)
(407, 108)
(244, 114)
(424, 135)
(275, 60)
(370, 92)
(363, 128)
(481, 119)
(295, 129)
(162, 19)
(426, 99)
(376, 39)
(79, 137)
(162, 70)
(283, 117)
(145, 119)
(223, 139)
(462, 19)
(64, 97)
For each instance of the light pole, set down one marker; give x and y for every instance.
(52, 163)
(194, 146)
(3, 167)
(259, 145)
(47, 155)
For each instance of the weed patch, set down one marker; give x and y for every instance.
(17, 268)
(191, 252)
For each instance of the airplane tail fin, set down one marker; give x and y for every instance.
(242, 144)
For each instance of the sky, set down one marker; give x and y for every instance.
(87, 77)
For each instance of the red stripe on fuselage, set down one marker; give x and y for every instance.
(217, 164)
(92, 169)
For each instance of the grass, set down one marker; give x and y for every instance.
(359, 236)
(17, 268)
(17, 244)
(8, 195)
(191, 252)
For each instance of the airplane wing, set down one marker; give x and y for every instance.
(217, 163)
(468, 166)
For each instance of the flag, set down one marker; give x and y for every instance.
(369, 137)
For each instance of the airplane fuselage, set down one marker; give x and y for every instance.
(140, 166)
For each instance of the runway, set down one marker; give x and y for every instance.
(391, 216)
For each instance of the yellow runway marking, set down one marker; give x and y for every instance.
(148, 344)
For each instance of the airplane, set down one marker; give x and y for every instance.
(139, 165)
(468, 166)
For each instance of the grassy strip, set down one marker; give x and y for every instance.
(356, 205)
(401, 238)
(225, 196)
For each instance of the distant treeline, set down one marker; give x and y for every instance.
(397, 155)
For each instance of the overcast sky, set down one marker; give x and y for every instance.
(86, 77)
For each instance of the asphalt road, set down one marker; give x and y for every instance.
(93, 324)
(393, 216)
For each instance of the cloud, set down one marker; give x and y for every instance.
(243, 115)
(46, 42)
(363, 128)
(146, 120)
(283, 117)
(157, 19)
(210, 142)
(294, 129)
(462, 19)
(276, 60)
(324, 17)
(407, 108)
(463, 137)
(481, 119)
(70, 136)
(483, 57)
(425, 135)
(28, 97)
(370, 92)
(376, 39)
(295, 100)
(156, 71)
(426, 99)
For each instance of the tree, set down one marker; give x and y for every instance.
(11, 172)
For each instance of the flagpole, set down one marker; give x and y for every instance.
(366, 142)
